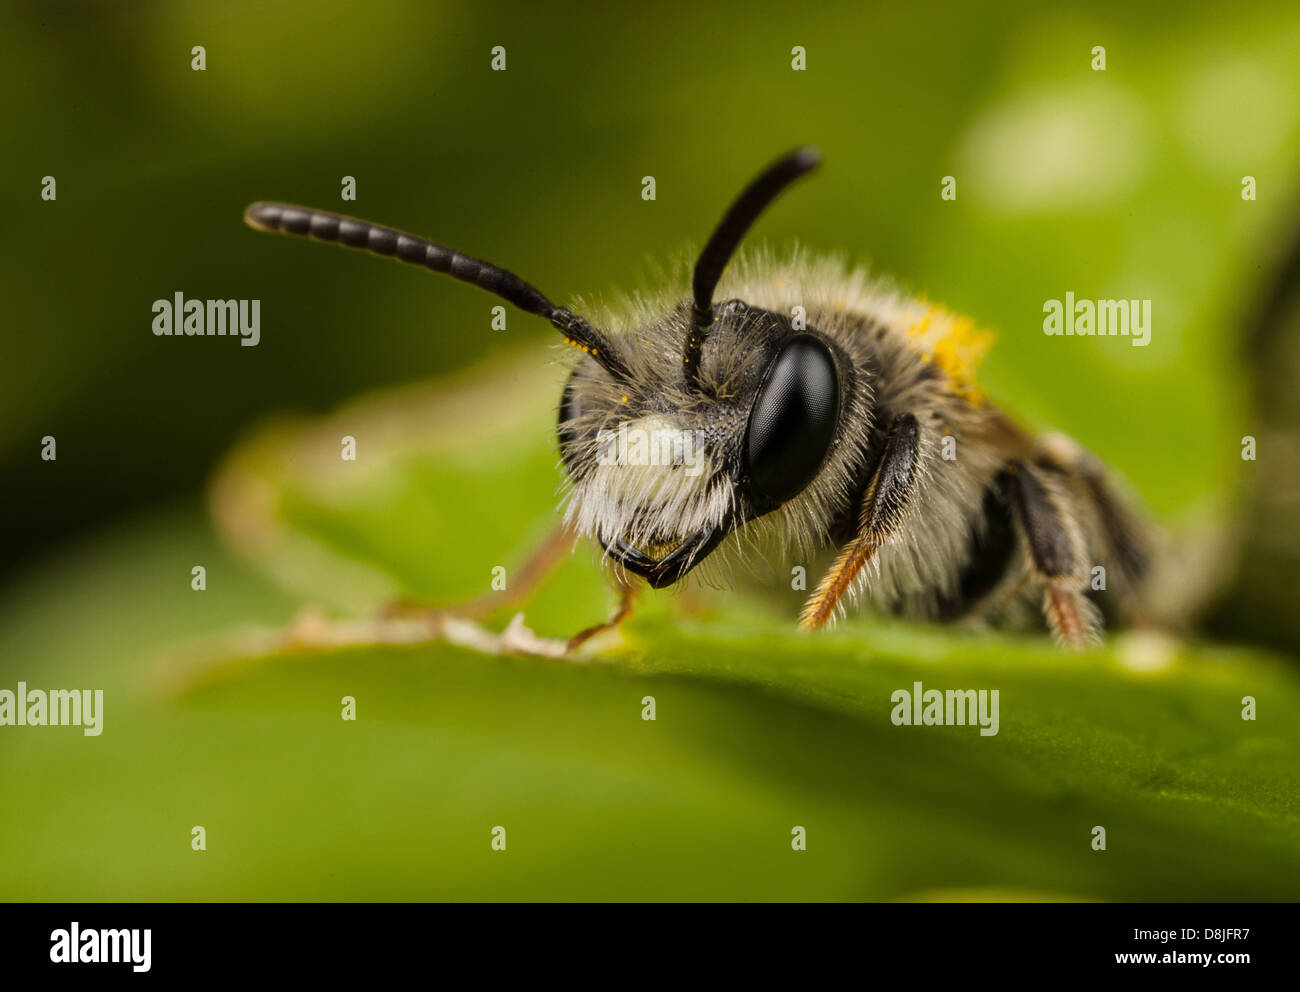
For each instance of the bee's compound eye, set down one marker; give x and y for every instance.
(792, 422)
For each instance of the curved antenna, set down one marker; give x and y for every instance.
(323, 225)
(740, 216)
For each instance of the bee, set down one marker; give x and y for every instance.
(791, 408)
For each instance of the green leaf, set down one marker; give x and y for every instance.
(758, 728)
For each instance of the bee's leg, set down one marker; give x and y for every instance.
(1128, 541)
(410, 623)
(1054, 554)
(464, 617)
(626, 598)
(534, 570)
(882, 512)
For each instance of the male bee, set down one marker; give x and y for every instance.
(788, 407)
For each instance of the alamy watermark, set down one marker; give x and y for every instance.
(1099, 318)
(656, 445)
(179, 317)
(55, 708)
(946, 708)
(77, 946)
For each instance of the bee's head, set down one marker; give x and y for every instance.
(726, 413)
(665, 465)
(709, 417)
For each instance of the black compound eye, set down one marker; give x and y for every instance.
(793, 419)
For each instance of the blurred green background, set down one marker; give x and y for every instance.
(1123, 183)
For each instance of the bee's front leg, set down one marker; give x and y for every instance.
(626, 599)
(460, 622)
(882, 512)
(532, 573)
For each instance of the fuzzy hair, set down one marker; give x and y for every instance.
(903, 355)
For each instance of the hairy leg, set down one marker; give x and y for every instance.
(1127, 540)
(882, 512)
(1043, 516)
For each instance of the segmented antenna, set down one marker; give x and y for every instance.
(323, 225)
(738, 219)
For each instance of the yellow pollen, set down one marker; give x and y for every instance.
(955, 346)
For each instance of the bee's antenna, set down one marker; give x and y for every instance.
(726, 236)
(324, 225)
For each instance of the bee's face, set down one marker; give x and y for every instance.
(715, 415)
(663, 469)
